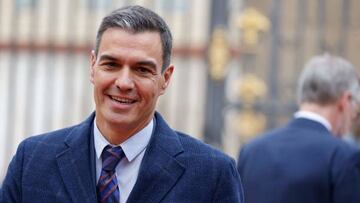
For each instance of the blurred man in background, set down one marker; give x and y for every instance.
(353, 137)
(125, 151)
(306, 161)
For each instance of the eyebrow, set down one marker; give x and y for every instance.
(150, 64)
(107, 57)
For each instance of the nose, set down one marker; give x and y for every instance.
(124, 80)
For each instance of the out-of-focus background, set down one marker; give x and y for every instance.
(237, 63)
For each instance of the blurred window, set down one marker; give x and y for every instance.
(99, 5)
(26, 4)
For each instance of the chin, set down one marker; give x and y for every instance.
(113, 117)
(117, 118)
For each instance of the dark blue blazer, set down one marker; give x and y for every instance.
(301, 162)
(60, 167)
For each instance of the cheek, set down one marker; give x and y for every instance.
(151, 86)
(354, 115)
(102, 80)
(150, 92)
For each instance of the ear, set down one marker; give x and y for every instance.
(92, 65)
(166, 76)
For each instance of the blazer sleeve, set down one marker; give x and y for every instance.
(241, 160)
(347, 182)
(11, 187)
(228, 186)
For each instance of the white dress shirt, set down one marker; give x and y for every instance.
(314, 117)
(128, 168)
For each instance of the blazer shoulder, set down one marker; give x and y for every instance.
(50, 138)
(59, 136)
(168, 139)
(195, 147)
(220, 168)
(263, 139)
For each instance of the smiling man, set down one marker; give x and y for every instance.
(127, 77)
(125, 151)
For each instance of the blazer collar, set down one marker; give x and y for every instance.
(304, 123)
(76, 162)
(159, 170)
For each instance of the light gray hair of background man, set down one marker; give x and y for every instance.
(329, 86)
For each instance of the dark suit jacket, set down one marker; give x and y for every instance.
(301, 162)
(60, 167)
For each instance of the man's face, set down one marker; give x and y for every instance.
(347, 117)
(354, 110)
(127, 79)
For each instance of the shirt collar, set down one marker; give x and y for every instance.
(314, 117)
(132, 147)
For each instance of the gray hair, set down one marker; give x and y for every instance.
(325, 78)
(138, 19)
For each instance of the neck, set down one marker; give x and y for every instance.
(116, 133)
(327, 111)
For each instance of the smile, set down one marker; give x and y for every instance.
(122, 100)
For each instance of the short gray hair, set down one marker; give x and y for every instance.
(138, 19)
(325, 78)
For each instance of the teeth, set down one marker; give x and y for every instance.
(122, 100)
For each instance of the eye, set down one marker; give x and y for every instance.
(143, 70)
(109, 65)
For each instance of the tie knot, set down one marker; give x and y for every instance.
(111, 157)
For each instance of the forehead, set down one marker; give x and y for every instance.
(123, 43)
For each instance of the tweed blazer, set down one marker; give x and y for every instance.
(60, 167)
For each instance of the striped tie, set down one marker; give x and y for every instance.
(107, 187)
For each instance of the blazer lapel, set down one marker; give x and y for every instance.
(76, 163)
(159, 170)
